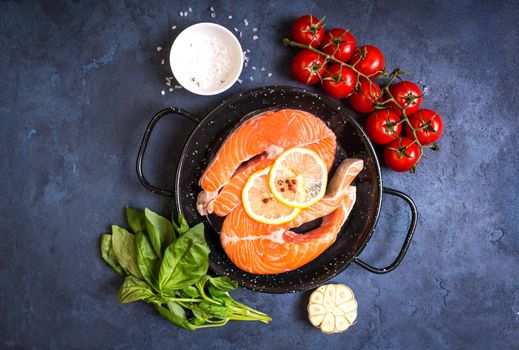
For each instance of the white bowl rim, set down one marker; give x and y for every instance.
(235, 41)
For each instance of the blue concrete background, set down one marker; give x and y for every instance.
(80, 81)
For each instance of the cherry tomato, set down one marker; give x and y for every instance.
(408, 95)
(382, 127)
(368, 60)
(402, 154)
(339, 81)
(308, 66)
(339, 43)
(308, 30)
(364, 99)
(429, 125)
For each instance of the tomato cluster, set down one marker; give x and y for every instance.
(346, 70)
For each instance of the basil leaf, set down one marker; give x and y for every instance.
(197, 321)
(147, 260)
(160, 231)
(185, 261)
(214, 310)
(199, 313)
(182, 227)
(218, 295)
(106, 253)
(190, 291)
(175, 317)
(197, 230)
(123, 248)
(223, 283)
(176, 309)
(136, 219)
(134, 289)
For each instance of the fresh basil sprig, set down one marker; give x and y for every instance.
(165, 263)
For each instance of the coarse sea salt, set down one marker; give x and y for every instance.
(207, 62)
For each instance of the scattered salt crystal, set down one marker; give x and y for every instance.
(241, 34)
(170, 89)
(239, 81)
(248, 50)
(254, 68)
(185, 13)
(255, 37)
(245, 22)
(190, 9)
(211, 8)
(181, 14)
(163, 92)
(162, 61)
(251, 78)
(262, 68)
(254, 29)
(213, 15)
(230, 17)
(269, 75)
(178, 86)
(168, 83)
(159, 48)
(174, 27)
(236, 29)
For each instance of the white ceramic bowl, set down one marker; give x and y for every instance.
(206, 58)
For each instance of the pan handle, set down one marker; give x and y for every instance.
(144, 144)
(407, 242)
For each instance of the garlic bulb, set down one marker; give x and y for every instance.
(332, 308)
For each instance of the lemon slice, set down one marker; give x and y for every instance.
(261, 205)
(298, 177)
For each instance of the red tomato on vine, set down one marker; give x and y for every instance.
(382, 126)
(363, 101)
(408, 96)
(368, 60)
(429, 126)
(339, 43)
(308, 30)
(402, 154)
(308, 66)
(339, 81)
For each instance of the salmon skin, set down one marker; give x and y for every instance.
(269, 249)
(253, 146)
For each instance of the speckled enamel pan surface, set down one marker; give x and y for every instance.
(352, 142)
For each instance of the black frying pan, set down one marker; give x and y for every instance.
(207, 138)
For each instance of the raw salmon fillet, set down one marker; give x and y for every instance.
(268, 249)
(265, 136)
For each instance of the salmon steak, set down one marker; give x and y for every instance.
(261, 248)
